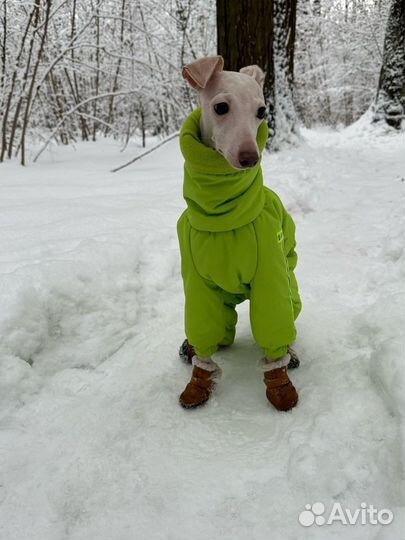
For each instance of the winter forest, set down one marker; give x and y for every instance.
(94, 176)
(79, 70)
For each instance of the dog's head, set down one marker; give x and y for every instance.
(232, 108)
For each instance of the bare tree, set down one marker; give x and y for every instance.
(337, 59)
(29, 97)
(3, 53)
(114, 87)
(8, 103)
(97, 77)
(73, 81)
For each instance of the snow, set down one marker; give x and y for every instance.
(93, 444)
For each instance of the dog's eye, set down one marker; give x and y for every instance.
(221, 108)
(261, 112)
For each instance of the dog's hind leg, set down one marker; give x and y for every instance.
(294, 360)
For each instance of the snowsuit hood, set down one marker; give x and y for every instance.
(219, 197)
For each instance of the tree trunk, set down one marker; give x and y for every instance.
(284, 42)
(8, 104)
(390, 101)
(262, 32)
(117, 69)
(22, 96)
(183, 11)
(75, 87)
(3, 55)
(47, 9)
(245, 37)
(97, 81)
(143, 129)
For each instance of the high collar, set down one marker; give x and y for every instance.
(219, 197)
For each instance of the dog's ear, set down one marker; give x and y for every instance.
(200, 72)
(254, 71)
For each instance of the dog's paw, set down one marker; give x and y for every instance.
(294, 360)
(186, 352)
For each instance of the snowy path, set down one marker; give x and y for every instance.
(93, 444)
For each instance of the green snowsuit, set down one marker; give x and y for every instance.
(237, 242)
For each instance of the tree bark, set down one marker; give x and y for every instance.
(284, 44)
(245, 37)
(390, 101)
(262, 32)
(3, 54)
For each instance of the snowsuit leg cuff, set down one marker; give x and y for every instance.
(205, 353)
(275, 354)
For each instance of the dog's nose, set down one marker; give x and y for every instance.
(248, 159)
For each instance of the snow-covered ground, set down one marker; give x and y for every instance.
(93, 444)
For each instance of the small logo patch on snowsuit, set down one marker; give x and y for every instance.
(280, 236)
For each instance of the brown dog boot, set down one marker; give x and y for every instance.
(203, 379)
(280, 390)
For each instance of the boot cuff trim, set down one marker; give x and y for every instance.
(268, 365)
(204, 364)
